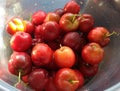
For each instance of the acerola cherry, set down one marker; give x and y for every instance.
(69, 22)
(15, 25)
(88, 70)
(29, 27)
(64, 57)
(99, 35)
(41, 54)
(21, 41)
(74, 40)
(59, 11)
(20, 62)
(67, 79)
(92, 53)
(38, 17)
(86, 23)
(51, 16)
(51, 30)
(72, 7)
(38, 79)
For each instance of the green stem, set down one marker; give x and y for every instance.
(93, 46)
(73, 81)
(19, 76)
(74, 17)
(110, 34)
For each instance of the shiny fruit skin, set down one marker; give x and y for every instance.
(72, 7)
(21, 41)
(38, 79)
(59, 11)
(74, 40)
(38, 17)
(99, 35)
(68, 22)
(51, 16)
(41, 54)
(29, 26)
(67, 79)
(20, 62)
(64, 57)
(92, 53)
(86, 23)
(51, 30)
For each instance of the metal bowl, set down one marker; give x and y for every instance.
(105, 12)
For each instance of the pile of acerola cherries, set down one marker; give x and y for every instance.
(56, 51)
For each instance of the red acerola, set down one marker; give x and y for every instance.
(92, 53)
